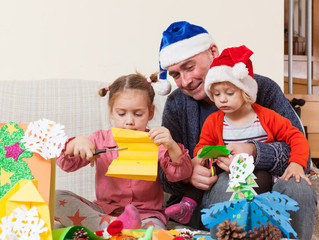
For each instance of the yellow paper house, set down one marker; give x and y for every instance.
(25, 193)
(139, 161)
(41, 169)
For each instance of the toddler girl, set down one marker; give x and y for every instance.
(231, 85)
(137, 203)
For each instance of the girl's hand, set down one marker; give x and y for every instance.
(224, 163)
(295, 170)
(161, 135)
(81, 147)
(239, 147)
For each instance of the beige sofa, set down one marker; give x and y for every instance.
(74, 104)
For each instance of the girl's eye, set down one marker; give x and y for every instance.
(216, 94)
(138, 114)
(230, 93)
(121, 114)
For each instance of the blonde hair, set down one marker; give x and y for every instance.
(135, 81)
(245, 96)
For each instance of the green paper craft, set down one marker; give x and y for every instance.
(67, 233)
(18, 167)
(213, 152)
(148, 233)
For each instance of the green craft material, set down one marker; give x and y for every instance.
(213, 152)
(148, 233)
(68, 232)
(18, 166)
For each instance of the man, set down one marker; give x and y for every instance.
(186, 53)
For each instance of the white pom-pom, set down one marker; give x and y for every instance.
(240, 71)
(162, 87)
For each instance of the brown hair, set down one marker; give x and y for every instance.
(132, 81)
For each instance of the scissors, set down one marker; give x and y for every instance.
(98, 151)
(211, 162)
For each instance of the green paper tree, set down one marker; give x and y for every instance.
(245, 189)
(213, 151)
(10, 134)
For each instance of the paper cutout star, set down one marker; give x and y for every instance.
(13, 151)
(76, 219)
(5, 177)
(104, 218)
(62, 203)
(11, 128)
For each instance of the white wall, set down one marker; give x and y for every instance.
(103, 39)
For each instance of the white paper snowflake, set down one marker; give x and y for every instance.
(45, 137)
(240, 168)
(22, 224)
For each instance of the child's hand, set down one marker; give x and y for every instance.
(295, 170)
(81, 147)
(224, 162)
(241, 147)
(161, 135)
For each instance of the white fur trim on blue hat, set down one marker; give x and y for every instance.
(184, 49)
(225, 73)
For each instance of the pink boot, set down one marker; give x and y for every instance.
(130, 217)
(181, 212)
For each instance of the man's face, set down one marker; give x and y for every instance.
(190, 74)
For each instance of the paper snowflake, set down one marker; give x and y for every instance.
(22, 224)
(240, 168)
(45, 137)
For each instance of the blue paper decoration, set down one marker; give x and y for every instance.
(269, 207)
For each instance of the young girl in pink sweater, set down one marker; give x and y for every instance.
(137, 203)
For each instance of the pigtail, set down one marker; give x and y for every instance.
(103, 91)
(154, 77)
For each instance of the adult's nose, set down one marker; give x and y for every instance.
(186, 80)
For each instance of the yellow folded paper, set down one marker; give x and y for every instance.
(139, 161)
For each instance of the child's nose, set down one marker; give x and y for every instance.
(129, 120)
(223, 98)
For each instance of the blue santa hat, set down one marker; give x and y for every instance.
(181, 40)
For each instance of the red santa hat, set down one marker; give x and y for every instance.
(234, 66)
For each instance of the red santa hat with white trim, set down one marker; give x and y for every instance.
(234, 66)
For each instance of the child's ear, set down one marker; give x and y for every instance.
(152, 111)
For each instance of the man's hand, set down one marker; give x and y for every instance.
(236, 148)
(202, 176)
(295, 170)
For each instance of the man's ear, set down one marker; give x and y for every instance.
(152, 111)
(213, 50)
